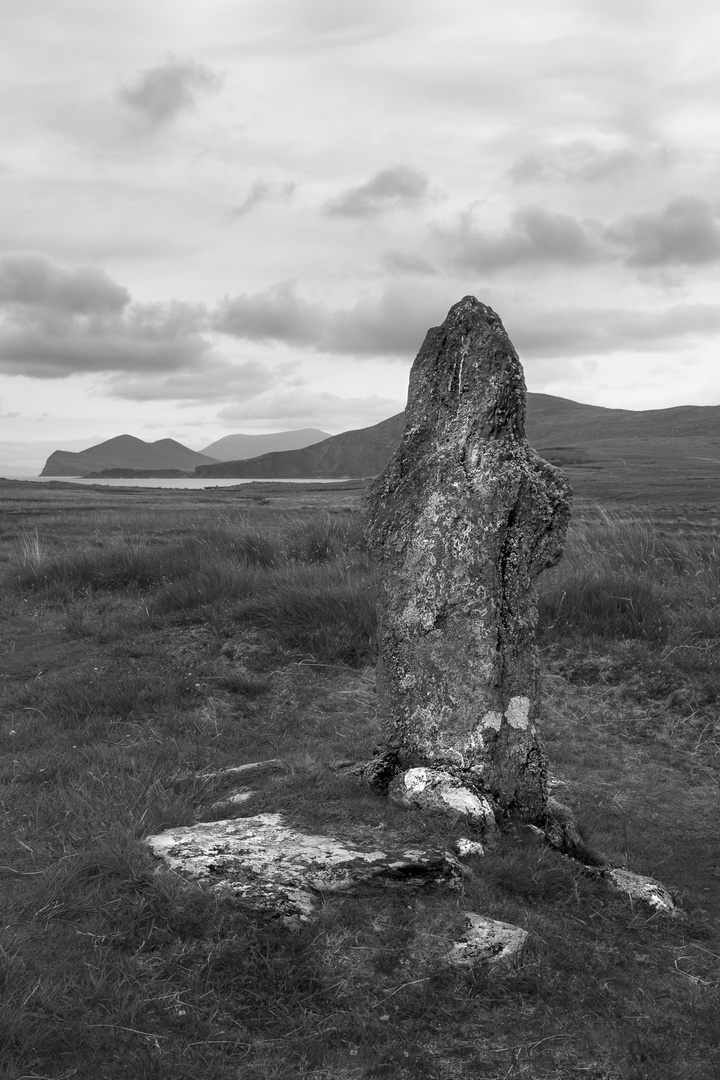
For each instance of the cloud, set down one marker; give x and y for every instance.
(586, 162)
(405, 262)
(292, 408)
(56, 322)
(391, 324)
(686, 231)
(205, 381)
(394, 324)
(159, 94)
(571, 332)
(34, 281)
(263, 191)
(277, 314)
(534, 235)
(683, 233)
(317, 22)
(396, 188)
(48, 349)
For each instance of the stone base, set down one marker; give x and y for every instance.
(440, 791)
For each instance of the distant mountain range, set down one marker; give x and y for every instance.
(619, 453)
(560, 429)
(239, 447)
(362, 452)
(126, 454)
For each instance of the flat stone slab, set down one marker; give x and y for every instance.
(269, 865)
(488, 941)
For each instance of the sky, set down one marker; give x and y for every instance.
(226, 216)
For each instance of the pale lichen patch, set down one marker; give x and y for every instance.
(492, 719)
(518, 712)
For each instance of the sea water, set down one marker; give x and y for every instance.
(196, 483)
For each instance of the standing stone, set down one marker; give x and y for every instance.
(464, 518)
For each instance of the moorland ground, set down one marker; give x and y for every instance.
(151, 639)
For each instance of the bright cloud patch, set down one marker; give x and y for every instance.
(391, 189)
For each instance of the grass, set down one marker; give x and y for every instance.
(148, 646)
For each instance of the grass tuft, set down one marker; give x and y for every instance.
(610, 606)
(320, 610)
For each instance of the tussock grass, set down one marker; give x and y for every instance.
(105, 694)
(323, 610)
(59, 576)
(147, 651)
(619, 578)
(321, 539)
(606, 605)
(216, 581)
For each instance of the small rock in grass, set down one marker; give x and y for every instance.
(487, 941)
(639, 887)
(465, 848)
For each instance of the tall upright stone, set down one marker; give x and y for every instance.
(460, 524)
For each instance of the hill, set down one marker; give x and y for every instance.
(362, 452)
(550, 419)
(125, 452)
(619, 453)
(239, 447)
